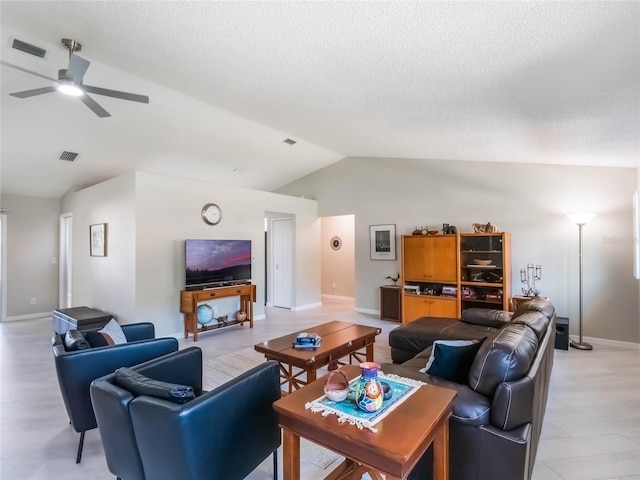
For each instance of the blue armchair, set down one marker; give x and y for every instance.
(223, 434)
(77, 369)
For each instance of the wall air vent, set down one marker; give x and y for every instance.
(28, 48)
(67, 156)
(290, 142)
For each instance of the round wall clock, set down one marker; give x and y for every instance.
(211, 214)
(336, 243)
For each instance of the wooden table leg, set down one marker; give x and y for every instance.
(290, 455)
(441, 453)
(370, 352)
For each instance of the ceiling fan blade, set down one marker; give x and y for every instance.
(77, 68)
(33, 93)
(93, 105)
(116, 94)
(30, 72)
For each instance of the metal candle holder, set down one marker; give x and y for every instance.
(529, 276)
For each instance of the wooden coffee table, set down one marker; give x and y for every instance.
(339, 340)
(403, 436)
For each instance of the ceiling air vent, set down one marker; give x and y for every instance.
(28, 48)
(290, 142)
(67, 156)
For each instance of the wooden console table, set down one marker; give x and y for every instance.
(189, 300)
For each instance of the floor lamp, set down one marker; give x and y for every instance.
(580, 219)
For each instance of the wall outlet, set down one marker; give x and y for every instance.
(33, 300)
(333, 285)
(54, 260)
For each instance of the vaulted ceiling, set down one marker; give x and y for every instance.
(538, 82)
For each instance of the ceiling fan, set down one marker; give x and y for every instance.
(70, 82)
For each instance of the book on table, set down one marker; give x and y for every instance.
(307, 340)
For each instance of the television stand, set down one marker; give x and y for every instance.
(189, 300)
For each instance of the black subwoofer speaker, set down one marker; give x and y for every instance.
(562, 333)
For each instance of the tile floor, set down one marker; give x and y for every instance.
(591, 429)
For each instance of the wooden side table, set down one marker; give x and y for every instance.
(517, 300)
(401, 440)
(390, 303)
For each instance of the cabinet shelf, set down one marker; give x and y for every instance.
(481, 284)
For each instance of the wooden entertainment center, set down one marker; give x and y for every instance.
(189, 300)
(444, 275)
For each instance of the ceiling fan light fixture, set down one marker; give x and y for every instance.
(70, 89)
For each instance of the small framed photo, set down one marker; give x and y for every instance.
(383, 242)
(98, 240)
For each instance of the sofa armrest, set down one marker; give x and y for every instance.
(203, 436)
(138, 331)
(505, 453)
(512, 403)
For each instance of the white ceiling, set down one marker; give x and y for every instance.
(541, 82)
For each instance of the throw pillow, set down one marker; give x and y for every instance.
(452, 343)
(96, 339)
(453, 362)
(74, 340)
(138, 384)
(112, 333)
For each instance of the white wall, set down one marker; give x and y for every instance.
(106, 283)
(338, 266)
(32, 246)
(530, 201)
(168, 212)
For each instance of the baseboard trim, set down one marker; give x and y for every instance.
(29, 316)
(612, 343)
(338, 297)
(367, 311)
(306, 307)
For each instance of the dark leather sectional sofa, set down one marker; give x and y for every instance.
(498, 412)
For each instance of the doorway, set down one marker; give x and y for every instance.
(64, 272)
(3, 267)
(280, 260)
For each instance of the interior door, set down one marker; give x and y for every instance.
(282, 286)
(64, 272)
(3, 267)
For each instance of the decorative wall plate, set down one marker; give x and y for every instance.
(336, 243)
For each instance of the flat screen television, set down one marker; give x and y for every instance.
(214, 263)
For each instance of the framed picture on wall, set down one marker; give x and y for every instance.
(98, 240)
(383, 242)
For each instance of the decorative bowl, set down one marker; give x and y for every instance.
(336, 387)
(432, 232)
(482, 262)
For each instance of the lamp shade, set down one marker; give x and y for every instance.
(581, 218)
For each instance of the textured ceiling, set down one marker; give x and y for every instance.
(542, 82)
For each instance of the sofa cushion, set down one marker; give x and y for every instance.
(74, 340)
(411, 338)
(505, 358)
(452, 362)
(486, 316)
(138, 384)
(541, 305)
(534, 320)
